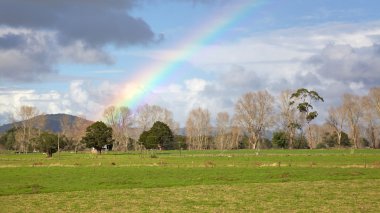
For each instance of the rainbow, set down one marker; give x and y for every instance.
(146, 79)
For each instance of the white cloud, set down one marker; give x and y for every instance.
(277, 48)
(91, 98)
(81, 98)
(47, 102)
(281, 60)
(324, 57)
(77, 93)
(196, 85)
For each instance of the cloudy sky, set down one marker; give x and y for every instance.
(80, 56)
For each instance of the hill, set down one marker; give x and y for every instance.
(53, 122)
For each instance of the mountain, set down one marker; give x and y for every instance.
(53, 122)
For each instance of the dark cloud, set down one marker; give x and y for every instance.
(308, 79)
(35, 35)
(95, 22)
(26, 56)
(239, 77)
(280, 85)
(348, 64)
(10, 41)
(19, 66)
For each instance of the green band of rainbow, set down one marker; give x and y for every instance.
(138, 87)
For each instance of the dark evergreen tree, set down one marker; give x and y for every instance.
(48, 143)
(331, 140)
(180, 142)
(280, 139)
(300, 142)
(98, 135)
(158, 137)
(8, 139)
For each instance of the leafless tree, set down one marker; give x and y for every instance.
(120, 119)
(236, 136)
(288, 116)
(253, 112)
(125, 123)
(315, 136)
(25, 114)
(198, 129)
(370, 120)
(68, 130)
(374, 104)
(336, 119)
(223, 136)
(147, 115)
(374, 96)
(66, 125)
(40, 122)
(111, 116)
(78, 131)
(353, 112)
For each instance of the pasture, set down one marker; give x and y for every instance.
(192, 181)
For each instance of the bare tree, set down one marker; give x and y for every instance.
(253, 112)
(66, 125)
(40, 122)
(25, 114)
(374, 105)
(288, 116)
(198, 129)
(315, 136)
(374, 95)
(125, 123)
(147, 115)
(111, 116)
(223, 137)
(78, 131)
(27, 122)
(236, 136)
(336, 120)
(120, 120)
(370, 120)
(19, 140)
(68, 130)
(353, 112)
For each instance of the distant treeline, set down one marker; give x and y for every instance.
(260, 120)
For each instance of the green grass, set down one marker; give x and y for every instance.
(202, 181)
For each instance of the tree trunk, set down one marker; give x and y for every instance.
(339, 134)
(355, 137)
(373, 138)
(310, 141)
(23, 149)
(254, 145)
(291, 138)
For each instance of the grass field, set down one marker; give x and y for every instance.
(193, 181)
